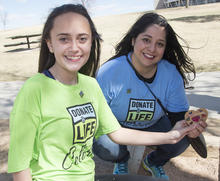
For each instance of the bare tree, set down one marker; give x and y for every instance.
(85, 3)
(4, 18)
(187, 3)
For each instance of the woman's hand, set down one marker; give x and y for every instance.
(200, 127)
(180, 130)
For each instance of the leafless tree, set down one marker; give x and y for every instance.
(4, 18)
(85, 3)
(187, 3)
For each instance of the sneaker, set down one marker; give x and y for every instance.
(120, 168)
(156, 171)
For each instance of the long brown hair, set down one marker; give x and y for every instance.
(47, 59)
(174, 52)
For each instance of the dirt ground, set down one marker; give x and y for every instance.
(199, 25)
(187, 167)
(191, 167)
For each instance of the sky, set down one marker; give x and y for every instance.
(24, 13)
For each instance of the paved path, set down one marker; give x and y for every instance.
(8, 92)
(206, 93)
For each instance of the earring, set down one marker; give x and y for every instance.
(50, 49)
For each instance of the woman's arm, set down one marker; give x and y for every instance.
(24, 175)
(127, 136)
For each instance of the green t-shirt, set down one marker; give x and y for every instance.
(52, 126)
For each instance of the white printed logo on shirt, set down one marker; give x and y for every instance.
(84, 126)
(140, 110)
(84, 122)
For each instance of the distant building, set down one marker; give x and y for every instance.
(161, 4)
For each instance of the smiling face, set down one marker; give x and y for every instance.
(148, 49)
(70, 41)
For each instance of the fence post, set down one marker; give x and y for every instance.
(28, 42)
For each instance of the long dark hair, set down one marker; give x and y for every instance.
(47, 59)
(174, 52)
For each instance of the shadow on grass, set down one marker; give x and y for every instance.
(12, 76)
(207, 101)
(20, 50)
(197, 19)
(208, 68)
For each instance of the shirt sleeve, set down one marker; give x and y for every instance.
(105, 87)
(176, 116)
(176, 99)
(24, 121)
(107, 121)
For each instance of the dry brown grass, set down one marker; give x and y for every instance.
(198, 25)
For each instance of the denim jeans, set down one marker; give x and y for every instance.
(107, 150)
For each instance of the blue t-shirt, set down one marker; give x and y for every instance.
(129, 98)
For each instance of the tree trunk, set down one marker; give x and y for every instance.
(187, 3)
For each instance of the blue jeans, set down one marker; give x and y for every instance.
(107, 150)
